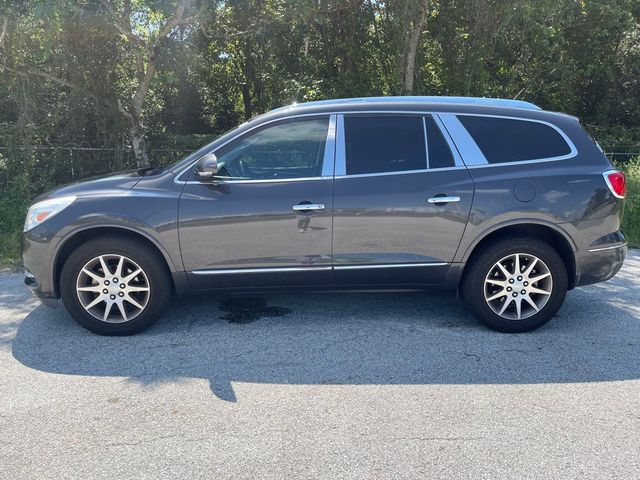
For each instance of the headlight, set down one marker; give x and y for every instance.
(41, 211)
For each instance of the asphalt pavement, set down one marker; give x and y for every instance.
(324, 385)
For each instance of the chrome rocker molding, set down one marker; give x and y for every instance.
(389, 265)
(224, 271)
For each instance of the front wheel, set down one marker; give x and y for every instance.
(115, 286)
(516, 285)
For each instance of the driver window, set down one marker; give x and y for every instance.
(287, 150)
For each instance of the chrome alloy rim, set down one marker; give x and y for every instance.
(113, 288)
(518, 286)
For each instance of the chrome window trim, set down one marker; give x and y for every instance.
(340, 167)
(521, 162)
(441, 169)
(382, 174)
(262, 124)
(267, 180)
(572, 153)
(320, 268)
(403, 172)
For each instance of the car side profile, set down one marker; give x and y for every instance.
(507, 203)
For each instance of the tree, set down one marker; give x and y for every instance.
(141, 32)
(417, 20)
(145, 45)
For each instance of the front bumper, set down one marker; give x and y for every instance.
(38, 257)
(31, 282)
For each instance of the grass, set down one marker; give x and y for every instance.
(10, 250)
(14, 216)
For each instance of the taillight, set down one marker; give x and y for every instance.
(616, 182)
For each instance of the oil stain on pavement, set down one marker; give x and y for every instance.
(247, 310)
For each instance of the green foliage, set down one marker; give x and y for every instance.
(17, 187)
(68, 71)
(631, 222)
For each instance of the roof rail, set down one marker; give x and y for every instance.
(492, 102)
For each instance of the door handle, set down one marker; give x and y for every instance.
(308, 206)
(444, 199)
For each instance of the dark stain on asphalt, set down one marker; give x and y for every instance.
(247, 310)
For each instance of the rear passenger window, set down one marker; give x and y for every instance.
(439, 153)
(384, 144)
(504, 140)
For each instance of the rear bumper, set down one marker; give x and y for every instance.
(600, 264)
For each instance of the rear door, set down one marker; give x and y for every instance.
(401, 200)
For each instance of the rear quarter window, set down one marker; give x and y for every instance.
(505, 140)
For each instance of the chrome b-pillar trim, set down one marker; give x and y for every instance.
(330, 148)
(341, 162)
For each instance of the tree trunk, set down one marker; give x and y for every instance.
(139, 142)
(246, 100)
(411, 49)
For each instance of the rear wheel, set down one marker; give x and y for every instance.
(115, 286)
(516, 285)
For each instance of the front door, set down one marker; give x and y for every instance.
(266, 220)
(401, 200)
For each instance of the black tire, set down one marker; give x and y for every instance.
(473, 283)
(153, 266)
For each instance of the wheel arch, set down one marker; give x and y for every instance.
(84, 235)
(551, 234)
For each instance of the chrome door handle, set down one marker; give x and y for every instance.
(308, 206)
(452, 199)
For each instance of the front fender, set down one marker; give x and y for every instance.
(152, 215)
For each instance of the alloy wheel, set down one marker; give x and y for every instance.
(518, 286)
(113, 288)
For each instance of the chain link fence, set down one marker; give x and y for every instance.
(66, 164)
(621, 157)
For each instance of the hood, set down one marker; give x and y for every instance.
(103, 184)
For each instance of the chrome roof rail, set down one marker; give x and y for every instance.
(491, 102)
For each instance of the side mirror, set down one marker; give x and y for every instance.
(207, 166)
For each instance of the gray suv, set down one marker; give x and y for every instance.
(508, 204)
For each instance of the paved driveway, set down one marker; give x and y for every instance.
(384, 385)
